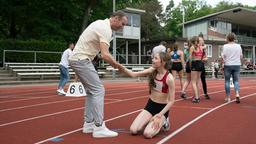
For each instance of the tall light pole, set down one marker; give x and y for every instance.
(114, 40)
(183, 21)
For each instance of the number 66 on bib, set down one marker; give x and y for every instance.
(76, 89)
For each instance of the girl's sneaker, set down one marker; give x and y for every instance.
(166, 125)
(238, 99)
(195, 100)
(207, 96)
(183, 95)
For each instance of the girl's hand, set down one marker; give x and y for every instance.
(128, 72)
(157, 121)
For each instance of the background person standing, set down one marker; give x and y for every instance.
(232, 55)
(64, 66)
(157, 49)
(178, 64)
(204, 60)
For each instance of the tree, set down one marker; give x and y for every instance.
(173, 18)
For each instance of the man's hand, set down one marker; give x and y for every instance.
(120, 67)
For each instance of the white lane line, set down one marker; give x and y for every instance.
(61, 112)
(28, 106)
(80, 98)
(192, 107)
(50, 91)
(196, 119)
(41, 104)
(70, 132)
(71, 110)
(111, 99)
(29, 98)
(24, 99)
(64, 134)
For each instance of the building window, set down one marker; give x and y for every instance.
(220, 49)
(247, 53)
(213, 23)
(254, 33)
(209, 50)
(222, 27)
(129, 19)
(136, 21)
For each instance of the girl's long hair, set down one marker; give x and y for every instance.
(175, 47)
(151, 78)
(193, 41)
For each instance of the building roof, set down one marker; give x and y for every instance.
(133, 10)
(238, 15)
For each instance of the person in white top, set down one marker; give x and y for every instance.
(64, 66)
(94, 39)
(157, 49)
(232, 55)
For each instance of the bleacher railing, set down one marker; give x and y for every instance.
(34, 53)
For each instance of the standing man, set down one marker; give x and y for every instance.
(96, 38)
(63, 66)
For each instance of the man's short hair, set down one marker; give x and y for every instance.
(119, 14)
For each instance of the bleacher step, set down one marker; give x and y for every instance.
(8, 78)
(5, 75)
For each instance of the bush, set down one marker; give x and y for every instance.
(31, 45)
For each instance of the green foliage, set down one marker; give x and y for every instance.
(193, 9)
(31, 45)
(50, 25)
(45, 20)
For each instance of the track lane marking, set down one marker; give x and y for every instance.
(64, 134)
(61, 112)
(71, 110)
(198, 118)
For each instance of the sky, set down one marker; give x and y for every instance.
(212, 2)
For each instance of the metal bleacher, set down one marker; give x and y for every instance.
(50, 71)
(41, 71)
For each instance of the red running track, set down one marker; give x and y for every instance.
(35, 114)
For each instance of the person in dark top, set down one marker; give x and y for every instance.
(177, 60)
(204, 59)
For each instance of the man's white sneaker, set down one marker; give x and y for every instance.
(166, 125)
(88, 127)
(103, 131)
(61, 92)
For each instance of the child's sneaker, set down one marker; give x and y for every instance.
(166, 125)
(183, 95)
(207, 96)
(195, 100)
(238, 99)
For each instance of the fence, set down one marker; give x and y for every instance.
(30, 56)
